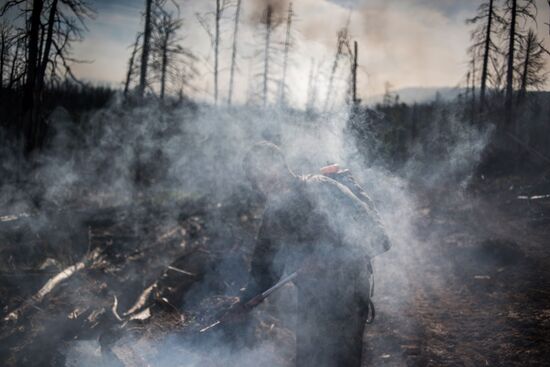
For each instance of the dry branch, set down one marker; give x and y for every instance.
(50, 285)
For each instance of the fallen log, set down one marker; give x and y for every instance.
(142, 300)
(50, 285)
(534, 197)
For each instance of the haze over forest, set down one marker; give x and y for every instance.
(134, 200)
(418, 43)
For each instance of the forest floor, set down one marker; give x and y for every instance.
(478, 286)
(473, 289)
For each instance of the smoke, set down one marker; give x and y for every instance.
(121, 156)
(278, 9)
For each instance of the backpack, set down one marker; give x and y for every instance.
(344, 177)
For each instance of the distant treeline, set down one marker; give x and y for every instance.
(398, 133)
(507, 65)
(75, 98)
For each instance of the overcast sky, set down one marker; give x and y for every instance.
(412, 43)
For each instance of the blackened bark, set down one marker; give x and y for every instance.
(354, 74)
(48, 45)
(145, 49)
(528, 50)
(486, 51)
(3, 46)
(30, 106)
(164, 64)
(510, 71)
(131, 66)
(287, 49)
(234, 53)
(268, 16)
(216, 50)
(13, 65)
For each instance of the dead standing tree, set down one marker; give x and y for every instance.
(168, 52)
(217, 50)
(268, 56)
(532, 68)
(287, 46)
(342, 46)
(165, 55)
(268, 19)
(355, 101)
(16, 69)
(131, 64)
(6, 44)
(234, 53)
(51, 27)
(471, 90)
(166, 47)
(145, 47)
(215, 37)
(483, 42)
(515, 10)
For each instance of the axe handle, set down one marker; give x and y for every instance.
(256, 300)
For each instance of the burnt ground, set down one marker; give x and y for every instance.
(471, 288)
(477, 288)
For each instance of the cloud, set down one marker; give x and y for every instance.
(448, 7)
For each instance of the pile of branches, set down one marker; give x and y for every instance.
(131, 282)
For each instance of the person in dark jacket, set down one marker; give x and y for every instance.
(317, 225)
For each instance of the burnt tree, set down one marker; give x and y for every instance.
(168, 48)
(532, 68)
(234, 53)
(341, 46)
(6, 42)
(515, 9)
(145, 47)
(268, 19)
(50, 29)
(287, 45)
(217, 49)
(483, 42)
(131, 65)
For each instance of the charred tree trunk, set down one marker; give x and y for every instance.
(282, 100)
(234, 53)
(41, 48)
(473, 101)
(217, 50)
(164, 65)
(525, 72)
(510, 70)
(30, 103)
(467, 95)
(13, 66)
(131, 66)
(47, 45)
(3, 47)
(354, 99)
(146, 48)
(268, 15)
(487, 47)
(333, 73)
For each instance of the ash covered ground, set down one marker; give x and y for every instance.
(122, 266)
